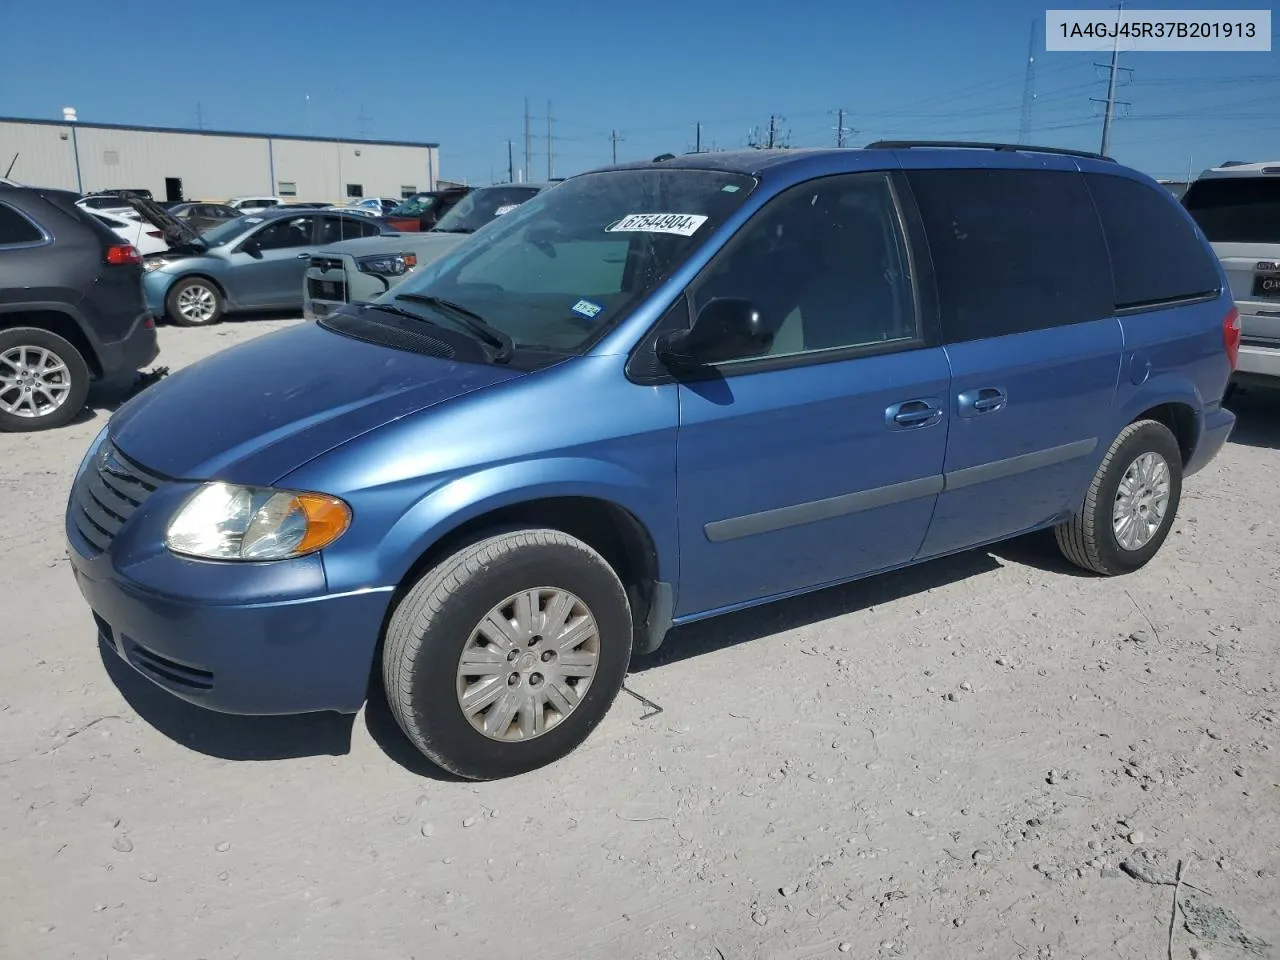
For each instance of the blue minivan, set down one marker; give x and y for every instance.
(660, 392)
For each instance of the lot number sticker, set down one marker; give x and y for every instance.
(505, 209)
(681, 224)
(587, 309)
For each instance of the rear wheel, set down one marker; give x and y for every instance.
(43, 380)
(194, 302)
(1131, 503)
(504, 657)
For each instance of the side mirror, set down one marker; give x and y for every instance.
(252, 249)
(727, 328)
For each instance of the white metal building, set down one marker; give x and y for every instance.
(176, 164)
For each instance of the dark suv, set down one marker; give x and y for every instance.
(71, 308)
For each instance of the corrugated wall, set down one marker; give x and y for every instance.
(210, 166)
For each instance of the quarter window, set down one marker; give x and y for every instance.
(1155, 254)
(1013, 250)
(825, 264)
(15, 228)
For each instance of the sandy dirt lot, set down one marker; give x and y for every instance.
(973, 758)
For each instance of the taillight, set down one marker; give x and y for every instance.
(122, 254)
(1231, 337)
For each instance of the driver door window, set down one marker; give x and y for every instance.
(285, 234)
(827, 266)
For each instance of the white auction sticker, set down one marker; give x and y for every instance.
(681, 224)
(1186, 31)
(505, 209)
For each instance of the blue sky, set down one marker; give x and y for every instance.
(459, 75)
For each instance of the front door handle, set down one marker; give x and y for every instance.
(913, 414)
(974, 403)
(304, 256)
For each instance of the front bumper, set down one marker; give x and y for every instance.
(254, 638)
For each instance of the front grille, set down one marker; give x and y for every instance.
(326, 263)
(108, 493)
(335, 290)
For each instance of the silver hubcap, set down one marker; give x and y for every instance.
(1141, 501)
(197, 303)
(528, 664)
(34, 382)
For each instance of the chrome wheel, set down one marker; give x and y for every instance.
(528, 664)
(197, 303)
(1141, 501)
(34, 382)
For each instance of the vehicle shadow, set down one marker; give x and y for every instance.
(386, 733)
(1257, 411)
(729, 630)
(225, 736)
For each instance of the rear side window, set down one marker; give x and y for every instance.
(15, 228)
(1156, 256)
(1236, 209)
(1013, 250)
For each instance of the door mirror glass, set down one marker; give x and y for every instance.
(252, 248)
(727, 328)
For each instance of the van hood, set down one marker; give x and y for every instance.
(257, 411)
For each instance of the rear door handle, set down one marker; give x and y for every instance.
(974, 403)
(912, 414)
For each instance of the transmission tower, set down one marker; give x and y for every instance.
(1028, 89)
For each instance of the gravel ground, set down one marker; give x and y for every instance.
(986, 756)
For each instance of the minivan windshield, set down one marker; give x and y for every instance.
(480, 206)
(1236, 209)
(558, 270)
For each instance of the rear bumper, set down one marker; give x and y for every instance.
(1218, 424)
(1258, 361)
(137, 349)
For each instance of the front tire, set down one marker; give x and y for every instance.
(44, 380)
(1131, 504)
(504, 657)
(194, 302)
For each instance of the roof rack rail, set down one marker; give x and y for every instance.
(974, 145)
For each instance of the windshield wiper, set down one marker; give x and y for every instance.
(476, 324)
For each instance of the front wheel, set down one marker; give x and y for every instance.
(194, 302)
(504, 657)
(1131, 503)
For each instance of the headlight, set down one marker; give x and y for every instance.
(223, 521)
(149, 265)
(388, 265)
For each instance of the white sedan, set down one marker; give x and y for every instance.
(145, 238)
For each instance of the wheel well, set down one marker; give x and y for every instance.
(1181, 421)
(58, 323)
(609, 529)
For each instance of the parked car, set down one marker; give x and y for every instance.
(132, 229)
(361, 271)
(1237, 205)
(253, 204)
(104, 201)
(250, 263)
(650, 395)
(378, 206)
(71, 308)
(202, 216)
(422, 211)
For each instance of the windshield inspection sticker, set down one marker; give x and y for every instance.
(586, 309)
(505, 209)
(681, 224)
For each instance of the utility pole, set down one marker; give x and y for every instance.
(613, 139)
(1111, 87)
(528, 141)
(773, 126)
(842, 131)
(697, 138)
(1028, 89)
(199, 116)
(363, 121)
(551, 148)
(511, 164)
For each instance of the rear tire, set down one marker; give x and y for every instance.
(194, 302)
(505, 656)
(44, 380)
(1130, 505)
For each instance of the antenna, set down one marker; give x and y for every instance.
(1028, 89)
